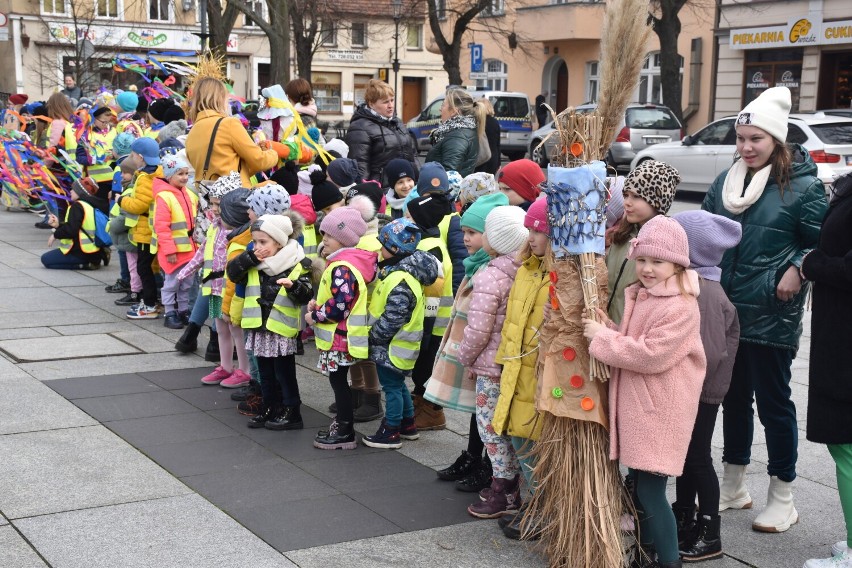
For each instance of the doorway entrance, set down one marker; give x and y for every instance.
(554, 83)
(835, 80)
(412, 97)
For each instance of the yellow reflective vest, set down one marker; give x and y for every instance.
(179, 223)
(405, 345)
(86, 234)
(209, 252)
(441, 308)
(370, 243)
(310, 241)
(284, 317)
(69, 142)
(357, 324)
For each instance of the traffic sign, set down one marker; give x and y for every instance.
(476, 57)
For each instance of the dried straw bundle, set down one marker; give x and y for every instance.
(625, 34)
(209, 64)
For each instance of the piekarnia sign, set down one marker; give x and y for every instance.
(798, 32)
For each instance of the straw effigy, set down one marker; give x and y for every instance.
(579, 497)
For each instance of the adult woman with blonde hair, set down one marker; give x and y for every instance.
(218, 144)
(455, 143)
(375, 135)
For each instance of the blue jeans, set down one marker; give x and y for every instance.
(124, 270)
(762, 373)
(56, 260)
(398, 403)
(523, 447)
(200, 310)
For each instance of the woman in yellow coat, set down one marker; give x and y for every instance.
(233, 148)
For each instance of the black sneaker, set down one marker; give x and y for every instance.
(290, 418)
(173, 320)
(251, 406)
(131, 299)
(120, 287)
(460, 469)
(42, 225)
(184, 317)
(243, 393)
(476, 480)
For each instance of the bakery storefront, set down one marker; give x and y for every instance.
(812, 57)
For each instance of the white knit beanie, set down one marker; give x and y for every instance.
(504, 229)
(769, 112)
(279, 227)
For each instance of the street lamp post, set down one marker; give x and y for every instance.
(397, 16)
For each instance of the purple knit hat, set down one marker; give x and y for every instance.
(709, 236)
(345, 225)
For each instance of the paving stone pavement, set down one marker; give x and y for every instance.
(113, 454)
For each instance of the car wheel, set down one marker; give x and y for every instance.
(538, 154)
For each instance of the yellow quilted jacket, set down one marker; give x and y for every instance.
(139, 202)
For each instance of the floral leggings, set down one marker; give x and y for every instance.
(504, 463)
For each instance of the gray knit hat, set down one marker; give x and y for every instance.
(655, 182)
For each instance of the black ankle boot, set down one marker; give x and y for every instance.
(478, 479)
(686, 528)
(515, 530)
(339, 436)
(243, 393)
(290, 418)
(212, 352)
(188, 342)
(708, 544)
(370, 407)
(460, 469)
(261, 419)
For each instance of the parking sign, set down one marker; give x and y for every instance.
(476, 57)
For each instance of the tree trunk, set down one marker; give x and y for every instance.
(451, 62)
(667, 28)
(219, 25)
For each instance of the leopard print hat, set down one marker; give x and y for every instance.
(655, 182)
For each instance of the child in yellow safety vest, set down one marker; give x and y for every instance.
(397, 308)
(174, 210)
(277, 281)
(339, 316)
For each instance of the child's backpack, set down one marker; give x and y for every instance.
(102, 238)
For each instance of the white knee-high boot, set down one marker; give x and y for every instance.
(733, 493)
(779, 513)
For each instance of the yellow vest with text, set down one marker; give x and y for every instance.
(440, 308)
(207, 267)
(369, 243)
(357, 324)
(284, 317)
(405, 345)
(87, 244)
(310, 241)
(179, 223)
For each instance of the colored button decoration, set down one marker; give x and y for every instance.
(569, 354)
(556, 392)
(576, 149)
(576, 381)
(554, 278)
(587, 403)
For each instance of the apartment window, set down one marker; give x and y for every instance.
(328, 33)
(361, 82)
(495, 8)
(441, 9)
(158, 10)
(107, 8)
(498, 75)
(414, 36)
(256, 8)
(649, 79)
(326, 91)
(359, 34)
(53, 6)
(593, 81)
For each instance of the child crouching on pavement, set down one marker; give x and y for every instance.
(397, 307)
(278, 281)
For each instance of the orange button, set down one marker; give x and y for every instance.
(554, 278)
(587, 403)
(569, 354)
(554, 303)
(576, 381)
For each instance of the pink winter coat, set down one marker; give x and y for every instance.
(163, 225)
(485, 316)
(658, 370)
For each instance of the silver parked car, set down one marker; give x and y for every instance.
(643, 125)
(702, 156)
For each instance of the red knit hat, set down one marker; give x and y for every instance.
(524, 177)
(536, 218)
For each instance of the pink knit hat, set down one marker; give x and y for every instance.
(661, 237)
(345, 225)
(536, 218)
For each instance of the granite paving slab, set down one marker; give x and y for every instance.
(135, 405)
(62, 470)
(41, 298)
(27, 405)
(419, 504)
(15, 552)
(207, 456)
(65, 347)
(59, 278)
(361, 471)
(86, 328)
(171, 379)
(184, 531)
(46, 318)
(208, 397)
(27, 332)
(19, 281)
(146, 341)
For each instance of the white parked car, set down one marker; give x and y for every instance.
(702, 156)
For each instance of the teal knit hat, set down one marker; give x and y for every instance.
(474, 217)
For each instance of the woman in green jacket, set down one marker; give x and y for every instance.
(773, 192)
(455, 142)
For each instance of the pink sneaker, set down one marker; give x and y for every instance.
(238, 378)
(217, 376)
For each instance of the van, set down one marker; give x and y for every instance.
(512, 110)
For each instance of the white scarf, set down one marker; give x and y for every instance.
(283, 260)
(733, 198)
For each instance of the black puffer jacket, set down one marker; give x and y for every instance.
(373, 142)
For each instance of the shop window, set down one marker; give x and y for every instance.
(441, 8)
(414, 36)
(494, 8)
(498, 75)
(650, 90)
(359, 34)
(158, 10)
(256, 8)
(361, 82)
(53, 7)
(593, 81)
(765, 68)
(326, 91)
(107, 8)
(328, 34)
